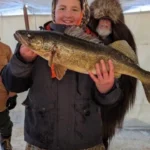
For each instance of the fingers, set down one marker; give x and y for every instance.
(103, 72)
(105, 76)
(27, 53)
(27, 50)
(111, 69)
(98, 71)
(94, 78)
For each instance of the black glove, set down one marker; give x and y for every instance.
(11, 102)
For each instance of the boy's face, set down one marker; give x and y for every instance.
(67, 12)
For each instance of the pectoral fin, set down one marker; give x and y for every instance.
(50, 61)
(51, 55)
(60, 71)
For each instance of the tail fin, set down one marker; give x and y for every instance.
(147, 90)
(144, 77)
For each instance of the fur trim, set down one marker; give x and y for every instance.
(106, 8)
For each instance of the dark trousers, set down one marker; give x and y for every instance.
(5, 124)
(98, 147)
(106, 143)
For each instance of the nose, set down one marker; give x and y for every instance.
(104, 24)
(68, 13)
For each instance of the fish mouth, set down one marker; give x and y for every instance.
(20, 39)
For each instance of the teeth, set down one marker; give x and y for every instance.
(68, 21)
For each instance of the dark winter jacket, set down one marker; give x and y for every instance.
(59, 115)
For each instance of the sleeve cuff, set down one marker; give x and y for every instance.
(110, 97)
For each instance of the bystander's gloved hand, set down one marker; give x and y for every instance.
(11, 102)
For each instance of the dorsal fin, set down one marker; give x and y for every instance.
(123, 47)
(78, 32)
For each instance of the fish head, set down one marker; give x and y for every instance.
(31, 39)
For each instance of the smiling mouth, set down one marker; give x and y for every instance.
(67, 21)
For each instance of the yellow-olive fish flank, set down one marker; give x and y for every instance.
(77, 51)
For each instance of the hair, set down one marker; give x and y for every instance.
(114, 116)
(127, 84)
(55, 2)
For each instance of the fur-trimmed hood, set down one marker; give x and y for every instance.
(107, 8)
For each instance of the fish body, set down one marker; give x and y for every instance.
(80, 53)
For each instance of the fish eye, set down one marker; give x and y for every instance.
(29, 35)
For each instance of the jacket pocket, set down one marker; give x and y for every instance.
(39, 122)
(88, 122)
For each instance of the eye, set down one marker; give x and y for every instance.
(75, 9)
(29, 35)
(62, 8)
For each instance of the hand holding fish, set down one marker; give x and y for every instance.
(105, 77)
(27, 54)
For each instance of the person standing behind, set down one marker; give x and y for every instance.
(107, 22)
(7, 101)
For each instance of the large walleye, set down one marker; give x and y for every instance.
(79, 52)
